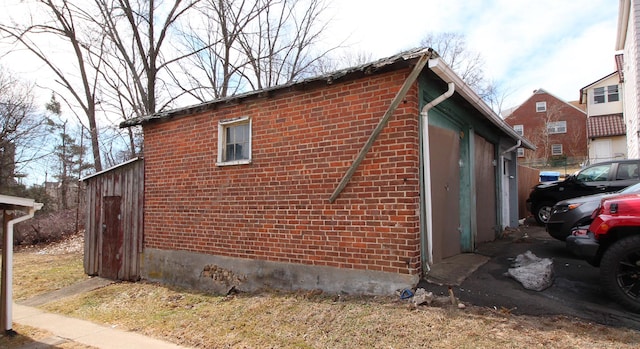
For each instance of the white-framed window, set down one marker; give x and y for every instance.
(612, 93)
(556, 149)
(520, 152)
(557, 127)
(606, 94)
(541, 107)
(234, 141)
(519, 129)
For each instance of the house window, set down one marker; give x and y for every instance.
(606, 94)
(519, 129)
(556, 149)
(541, 107)
(520, 152)
(234, 141)
(557, 127)
(612, 93)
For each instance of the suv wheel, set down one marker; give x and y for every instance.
(542, 212)
(620, 272)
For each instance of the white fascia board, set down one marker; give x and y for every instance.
(445, 73)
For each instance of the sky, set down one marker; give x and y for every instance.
(557, 45)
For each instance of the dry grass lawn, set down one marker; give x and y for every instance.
(300, 320)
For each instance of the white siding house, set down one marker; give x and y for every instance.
(628, 41)
(606, 131)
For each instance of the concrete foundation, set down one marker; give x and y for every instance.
(219, 274)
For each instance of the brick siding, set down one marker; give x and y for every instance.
(277, 208)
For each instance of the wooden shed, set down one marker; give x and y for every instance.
(114, 227)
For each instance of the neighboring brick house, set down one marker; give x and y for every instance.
(320, 184)
(606, 131)
(557, 128)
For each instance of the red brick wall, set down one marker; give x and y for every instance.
(277, 208)
(574, 142)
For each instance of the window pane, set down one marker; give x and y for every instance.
(612, 93)
(598, 95)
(229, 135)
(627, 171)
(244, 151)
(519, 129)
(594, 174)
(229, 156)
(243, 133)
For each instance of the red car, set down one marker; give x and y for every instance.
(612, 242)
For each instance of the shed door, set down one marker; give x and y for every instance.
(445, 191)
(112, 239)
(485, 178)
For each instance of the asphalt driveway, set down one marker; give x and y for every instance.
(575, 290)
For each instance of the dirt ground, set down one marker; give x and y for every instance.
(497, 311)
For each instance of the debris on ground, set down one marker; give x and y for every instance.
(421, 296)
(533, 272)
(72, 244)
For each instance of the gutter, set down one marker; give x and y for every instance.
(424, 114)
(518, 144)
(446, 74)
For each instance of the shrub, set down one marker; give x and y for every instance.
(48, 227)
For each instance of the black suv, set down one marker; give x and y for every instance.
(602, 177)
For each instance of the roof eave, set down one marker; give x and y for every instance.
(623, 22)
(444, 72)
(394, 62)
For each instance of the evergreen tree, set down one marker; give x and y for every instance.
(69, 154)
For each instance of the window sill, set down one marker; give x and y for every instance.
(232, 163)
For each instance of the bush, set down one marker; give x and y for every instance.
(48, 227)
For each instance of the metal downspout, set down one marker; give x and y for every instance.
(518, 144)
(7, 267)
(424, 114)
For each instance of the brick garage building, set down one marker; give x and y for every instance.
(319, 184)
(557, 128)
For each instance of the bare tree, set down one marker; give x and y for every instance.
(245, 46)
(21, 130)
(137, 33)
(452, 47)
(215, 68)
(125, 62)
(63, 27)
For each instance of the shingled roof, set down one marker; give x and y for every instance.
(606, 126)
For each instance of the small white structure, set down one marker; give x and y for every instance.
(8, 205)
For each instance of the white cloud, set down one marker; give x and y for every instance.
(557, 45)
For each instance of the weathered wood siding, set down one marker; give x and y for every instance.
(127, 182)
(527, 178)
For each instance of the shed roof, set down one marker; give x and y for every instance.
(112, 168)
(399, 61)
(606, 126)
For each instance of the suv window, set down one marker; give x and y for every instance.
(627, 171)
(594, 174)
